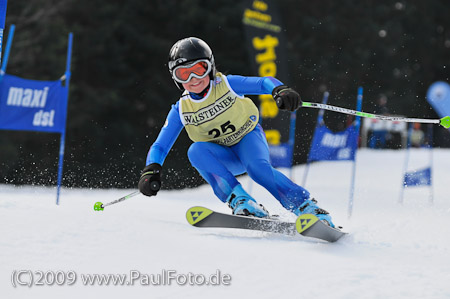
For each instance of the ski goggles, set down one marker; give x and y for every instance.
(198, 69)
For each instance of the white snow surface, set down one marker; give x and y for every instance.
(392, 250)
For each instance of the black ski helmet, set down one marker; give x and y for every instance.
(190, 49)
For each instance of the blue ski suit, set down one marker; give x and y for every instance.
(219, 164)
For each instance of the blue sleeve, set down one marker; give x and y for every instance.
(166, 138)
(252, 85)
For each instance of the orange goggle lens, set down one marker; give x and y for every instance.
(184, 73)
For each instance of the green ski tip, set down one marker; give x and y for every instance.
(445, 122)
(98, 206)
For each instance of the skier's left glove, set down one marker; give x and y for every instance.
(150, 181)
(286, 98)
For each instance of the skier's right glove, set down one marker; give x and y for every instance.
(150, 181)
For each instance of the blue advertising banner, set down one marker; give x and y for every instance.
(418, 178)
(423, 176)
(329, 146)
(30, 105)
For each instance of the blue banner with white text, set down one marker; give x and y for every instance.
(31, 105)
(330, 146)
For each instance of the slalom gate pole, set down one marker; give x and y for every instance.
(359, 99)
(62, 140)
(445, 121)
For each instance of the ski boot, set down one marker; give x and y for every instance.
(243, 204)
(310, 207)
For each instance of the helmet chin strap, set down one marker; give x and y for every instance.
(201, 94)
(205, 91)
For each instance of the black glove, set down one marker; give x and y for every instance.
(150, 181)
(286, 98)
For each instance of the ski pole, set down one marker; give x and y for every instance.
(99, 206)
(445, 121)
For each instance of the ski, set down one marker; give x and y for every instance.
(308, 225)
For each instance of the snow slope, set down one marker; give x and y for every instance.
(393, 250)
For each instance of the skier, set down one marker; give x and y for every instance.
(228, 141)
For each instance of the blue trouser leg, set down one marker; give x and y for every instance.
(253, 151)
(220, 164)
